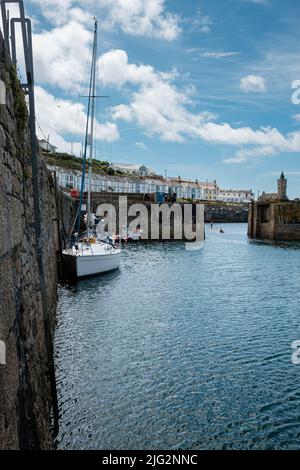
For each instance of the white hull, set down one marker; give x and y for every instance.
(86, 263)
(90, 257)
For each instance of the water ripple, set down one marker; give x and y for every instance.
(183, 350)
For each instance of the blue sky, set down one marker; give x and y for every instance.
(201, 89)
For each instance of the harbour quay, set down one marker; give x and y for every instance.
(214, 212)
(274, 217)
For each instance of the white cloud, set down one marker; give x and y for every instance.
(123, 112)
(161, 110)
(245, 154)
(147, 18)
(219, 55)
(253, 83)
(261, 2)
(142, 18)
(225, 134)
(201, 22)
(58, 118)
(117, 71)
(61, 55)
(155, 104)
(212, 54)
(56, 11)
(142, 146)
(296, 117)
(276, 143)
(158, 107)
(81, 16)
(153, 101)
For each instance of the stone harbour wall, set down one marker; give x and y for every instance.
(27, 382)
(276, 221)
(225, 213)
(217, 213)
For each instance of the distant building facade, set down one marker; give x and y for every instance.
(127, 184)
(281, 194)
(274, 217)
(210, 190)
(182, 188)
(234, 195)
(45, 145)
(134, 169)
(185, 189)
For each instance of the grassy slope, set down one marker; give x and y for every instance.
(70, 162)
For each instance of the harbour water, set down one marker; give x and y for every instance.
(183, 349)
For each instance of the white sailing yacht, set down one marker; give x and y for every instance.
(92, 255)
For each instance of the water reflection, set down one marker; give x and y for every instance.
(183, 349)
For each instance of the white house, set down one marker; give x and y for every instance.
(134, 169)
(189, 189)
(45, 145)
(210, 190)
(236, 195)
(184, 189)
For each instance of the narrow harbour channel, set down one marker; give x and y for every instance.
(183, 350)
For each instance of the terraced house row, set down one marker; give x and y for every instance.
(182, 188)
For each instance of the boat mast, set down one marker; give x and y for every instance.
(93, 98)
(86, 142)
